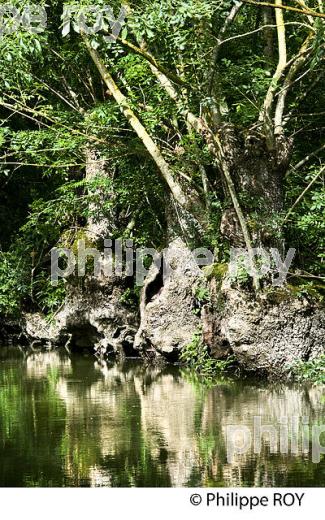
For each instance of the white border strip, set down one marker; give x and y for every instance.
(156, 504)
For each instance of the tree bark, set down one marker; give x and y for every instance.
(100, 224)
(258, 176)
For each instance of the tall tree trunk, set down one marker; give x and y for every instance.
(268, 20)
(101, 220)
(258, 176)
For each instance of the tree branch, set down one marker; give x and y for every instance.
(308, 157)
(230, 18)
(301, 196)
(268, 26)
(302, 4)
(152, 60)
(266, 114)
(286, 8)
(295, 67)
(137, 126)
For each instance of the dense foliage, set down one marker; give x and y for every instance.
(312, 370)
(55, 105)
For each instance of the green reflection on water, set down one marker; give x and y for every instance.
(71, 421)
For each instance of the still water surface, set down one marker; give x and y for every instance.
(72, 421)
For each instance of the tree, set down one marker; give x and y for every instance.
(200, 108)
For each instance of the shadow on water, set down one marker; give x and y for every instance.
(73, 421)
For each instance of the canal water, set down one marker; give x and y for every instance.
(69, 420)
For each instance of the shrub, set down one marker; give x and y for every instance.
(197, 356)
(313, 370)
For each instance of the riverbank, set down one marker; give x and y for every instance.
(200, 316)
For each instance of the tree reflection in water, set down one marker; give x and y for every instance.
(72, 421)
